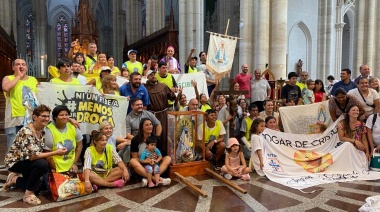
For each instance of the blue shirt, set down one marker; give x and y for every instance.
(351, 85)
(142, 93)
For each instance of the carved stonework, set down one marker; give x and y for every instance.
(84, 28)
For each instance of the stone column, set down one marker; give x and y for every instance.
(376, 65)
(39, 14)
(6, 15)
(371, 42)
(325, 60)
(191, 28)
(360, 31)
(261, 37)
(150, 12)
(118, 31)
(278, 38)
(245, 45)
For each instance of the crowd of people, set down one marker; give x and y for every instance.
(53, 141)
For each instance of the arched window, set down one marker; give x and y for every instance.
(30, 48)
(62, 30)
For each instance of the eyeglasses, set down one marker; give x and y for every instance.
(45, 117)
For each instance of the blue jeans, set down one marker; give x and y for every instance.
(10, 133)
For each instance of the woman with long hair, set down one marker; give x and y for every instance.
(98, 165)
(352, 130)
(319, 91)
(138, 144)
(109, 85)
(97, 67)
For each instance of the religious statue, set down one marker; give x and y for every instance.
(299, 66)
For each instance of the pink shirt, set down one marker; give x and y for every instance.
(244, 81)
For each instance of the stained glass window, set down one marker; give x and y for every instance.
(30, 48)
(63, 46)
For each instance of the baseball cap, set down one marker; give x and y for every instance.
(132, 50)
(232, 141)
(150, 71)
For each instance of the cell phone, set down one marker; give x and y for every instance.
(60, 146)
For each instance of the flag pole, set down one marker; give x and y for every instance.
(228, 23)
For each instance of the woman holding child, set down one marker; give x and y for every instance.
(138, 145)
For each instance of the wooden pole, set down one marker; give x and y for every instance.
(223, 180)
(228, 23)
(190, 185)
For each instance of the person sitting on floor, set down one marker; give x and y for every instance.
(98, 162)
(235, 165)
(138, 144)
(26, 156)
(214, 138)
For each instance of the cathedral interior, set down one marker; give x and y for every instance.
(327, 35)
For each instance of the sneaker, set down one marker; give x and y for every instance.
(166, 181)
(217, 166)
(119, 183)
(227, 176)
(95, 188)
(245, 177)
(151, 185)
(144, 182)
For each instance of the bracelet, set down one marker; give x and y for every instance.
(87, 181)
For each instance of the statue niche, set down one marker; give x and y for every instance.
(84, 29)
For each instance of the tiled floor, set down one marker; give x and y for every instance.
(263, 195)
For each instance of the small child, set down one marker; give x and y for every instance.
(151, 157)
(319, 127)
(257, 141)
(308, 97)
(235, 165)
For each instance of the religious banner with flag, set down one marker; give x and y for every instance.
(86, 105)
(305, 160)
(220, 55)
(301, 119)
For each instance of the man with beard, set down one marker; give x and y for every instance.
(159, 94)
(133, 89)
(164, 77)
(76, 67)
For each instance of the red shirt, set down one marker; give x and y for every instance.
(244, 81)
(318, 96)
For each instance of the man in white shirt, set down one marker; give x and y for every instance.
(260, 90)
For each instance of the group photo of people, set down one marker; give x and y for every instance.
(52, 140)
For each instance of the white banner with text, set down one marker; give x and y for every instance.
(305, 160)
(86, 105)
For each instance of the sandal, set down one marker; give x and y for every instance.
(31, 199)
(7, 185)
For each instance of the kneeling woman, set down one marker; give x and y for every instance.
(98, 161)
(353, 130)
